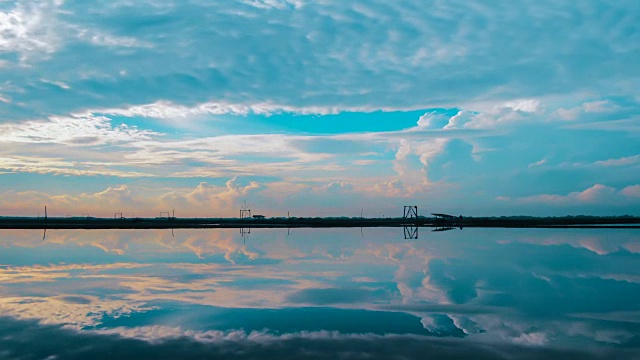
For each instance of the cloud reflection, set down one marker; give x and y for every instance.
(533, 288)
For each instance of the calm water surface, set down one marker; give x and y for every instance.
(320, 293)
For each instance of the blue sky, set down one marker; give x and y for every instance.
(319, 107)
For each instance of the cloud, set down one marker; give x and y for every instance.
(497, 115)
(59, 84)
(28, 28)
(598, 106)
(484, 115)
(168, 110)
(433, 120)
(538, 163)
(625, 161)
(208, 196)
(330, 54)
(534, 338)
(101, 203)
(57, 166)
(52, 273)
(237, 344)
(37, 30)
(275, 4)
(203, 199)
(72, 131)
(631, 191)
(61, 311)
(597, 194)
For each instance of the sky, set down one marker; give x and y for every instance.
(319, 108)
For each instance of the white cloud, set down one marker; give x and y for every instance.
(598, 106)
(597, 194)
(59, 166)
(168, 110)
(432, 120)
(59, 84)
(567, 114)
(274, 4)
(538, 163)
(526, 105)
(72, 131)
(157, 333)
(624, 161)
(460, 119)
(112, 41)
(486, 115)
(631, 191)
(29, 28)
(55, 310)
(497, 115)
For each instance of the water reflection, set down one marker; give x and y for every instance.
(544, 292)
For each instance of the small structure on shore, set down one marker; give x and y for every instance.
(410, 212)
(167, 215)
(245, 211)
(446, 220)
(258, 217)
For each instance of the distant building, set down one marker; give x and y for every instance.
(258, 217)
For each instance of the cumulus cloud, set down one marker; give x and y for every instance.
(489, 115)
(211, 196)
(631, 191)
(433, 120)
(101, 203)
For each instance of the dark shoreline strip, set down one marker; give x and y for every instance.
(222, 223)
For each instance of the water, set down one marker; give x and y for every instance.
(320, 293)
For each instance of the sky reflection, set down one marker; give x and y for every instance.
(517, 290)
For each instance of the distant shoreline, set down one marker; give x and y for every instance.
(617, 222)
